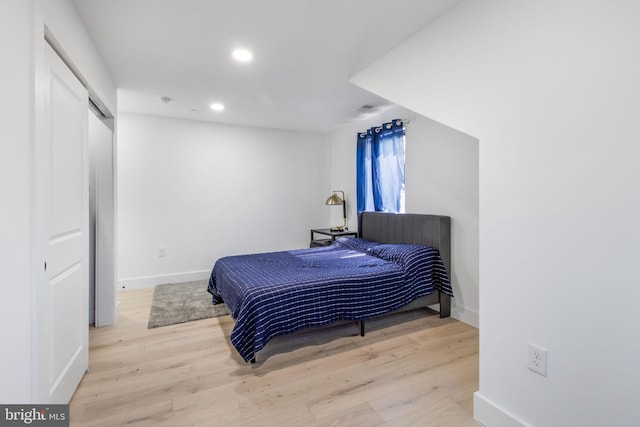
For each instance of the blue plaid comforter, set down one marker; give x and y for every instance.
(271, 294)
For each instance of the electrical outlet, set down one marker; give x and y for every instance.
(537, 361)
(162, 252)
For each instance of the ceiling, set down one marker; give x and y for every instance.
(304, 52)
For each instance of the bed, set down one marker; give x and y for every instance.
(398, 262)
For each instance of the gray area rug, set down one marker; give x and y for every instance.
(183, 302)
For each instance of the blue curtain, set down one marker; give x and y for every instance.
(380, 168)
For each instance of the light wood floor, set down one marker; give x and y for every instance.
(412, 369)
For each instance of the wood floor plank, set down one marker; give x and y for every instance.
(410, 369)
(358, 416)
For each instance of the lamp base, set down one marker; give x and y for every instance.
(337, 228)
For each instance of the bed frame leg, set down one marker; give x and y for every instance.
(445, 305)
(362, 328)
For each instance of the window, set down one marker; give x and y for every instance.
(380, 168)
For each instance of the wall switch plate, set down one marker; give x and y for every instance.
(162, 252)
(537, 360)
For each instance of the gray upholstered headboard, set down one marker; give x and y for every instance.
(428, 230)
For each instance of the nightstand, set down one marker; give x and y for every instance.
(330, 236)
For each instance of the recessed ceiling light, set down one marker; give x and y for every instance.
(242, 55)
(216, 106)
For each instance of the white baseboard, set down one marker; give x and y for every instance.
(151, 281)
(466, 315)
(489, 414)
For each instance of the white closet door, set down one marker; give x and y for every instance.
(102, 154)
(63, 302)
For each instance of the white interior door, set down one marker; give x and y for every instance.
(63, 182)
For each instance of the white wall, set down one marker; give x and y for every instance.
(551, 91)
(205, 190)
(441, 177)
(21, 40)
(15, 111)
(70, 34)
